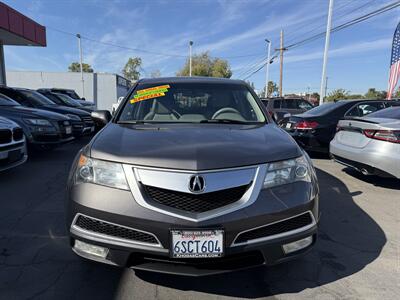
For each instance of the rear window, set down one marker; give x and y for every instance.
(289, 104)
(324, 108)
(388, 113)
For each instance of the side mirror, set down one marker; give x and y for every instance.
(101, 117)
(83, 98)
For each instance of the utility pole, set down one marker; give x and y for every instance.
(81, 58)
(326, 89)
(190, 58)
(281, 49)
(327, 40)
(267, 68)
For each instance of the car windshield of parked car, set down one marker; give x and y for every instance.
(68, 100)
(388, 113)
(324, 108)
(192, 103)
(6, 101)
(37, 98)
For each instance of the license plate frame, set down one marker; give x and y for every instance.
(68, 130)
(198, 232)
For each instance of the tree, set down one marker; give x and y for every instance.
(397, 94)
(374, 94)
(76, 67)
(315, 95)
(131, 68)
(204, 65)
(272, 89)
(155, 74)
(337, 94)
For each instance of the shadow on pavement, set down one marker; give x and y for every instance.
(349, 239)
(388, 183)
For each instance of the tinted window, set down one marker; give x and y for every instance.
(68, 100)
(191, 102)
(277, 103)
(304, 104)
(389, 113)
(325, 108)
(52, 97)
(6, 101)
(289, 104)
(364, 109)
(36, 98)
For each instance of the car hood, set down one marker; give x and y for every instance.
(27, 112)
(66, 110)
(193, 146)
(6, 123)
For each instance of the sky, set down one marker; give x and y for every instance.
(159, 32)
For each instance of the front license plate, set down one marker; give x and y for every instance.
(68, 130)
(197, 244)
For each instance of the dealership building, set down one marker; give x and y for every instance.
(102, 88)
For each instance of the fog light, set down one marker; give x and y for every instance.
(297, 245)
(91, 249)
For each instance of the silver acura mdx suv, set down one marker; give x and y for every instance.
(192, 177)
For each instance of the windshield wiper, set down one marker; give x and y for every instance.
(133, 122)
(225, 121)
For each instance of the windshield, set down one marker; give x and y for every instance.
(36, 98)
(388, 113)
(6, 101)
(324, 108)
(70, 93)
(192, 103)
(68, 100)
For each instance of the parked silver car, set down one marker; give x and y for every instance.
(370, 144)
(12, 145)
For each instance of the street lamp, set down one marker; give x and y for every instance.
(190, 58)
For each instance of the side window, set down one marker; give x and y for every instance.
(277, 103)
(354, 112)
(364, 109)
(304, 105)
(289, 103)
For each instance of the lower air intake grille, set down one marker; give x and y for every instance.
(105, 228)
(276, 228)
(5, 136)
(195, 203)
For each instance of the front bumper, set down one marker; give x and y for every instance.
(12, 155)
(119, 207)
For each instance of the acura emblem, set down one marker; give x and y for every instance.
(197, 184)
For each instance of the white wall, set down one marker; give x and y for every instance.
(102, 88)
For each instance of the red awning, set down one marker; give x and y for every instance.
(17, 29)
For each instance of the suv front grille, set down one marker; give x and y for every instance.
(88, 121)
(195, 203)
(5, 136)
(18, 134)
(106, 228)
(276, 228)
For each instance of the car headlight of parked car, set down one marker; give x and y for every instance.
(287, 171)
(90, 170)
(73, 117)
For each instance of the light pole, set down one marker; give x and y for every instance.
(267, 68)
(327, 40)
(80, 58)
(190, 58)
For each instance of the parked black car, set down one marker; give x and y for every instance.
(12, 145)
(314, 129)
(73, 95)
(279, 107)
(64, 100)
(41, 128)
(81, 121)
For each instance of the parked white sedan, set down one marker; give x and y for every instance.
(370, 144)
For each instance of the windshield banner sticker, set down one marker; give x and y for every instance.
(149, 93)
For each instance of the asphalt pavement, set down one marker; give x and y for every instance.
(356, 257)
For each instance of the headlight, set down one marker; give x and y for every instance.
(38, 122)
(73, 117)
(287, 171)
(100, 172)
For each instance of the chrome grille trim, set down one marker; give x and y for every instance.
(275, 236)
(111, 239)
(249, 197)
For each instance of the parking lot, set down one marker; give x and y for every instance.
(356, 257)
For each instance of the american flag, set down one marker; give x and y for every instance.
(394, 73)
